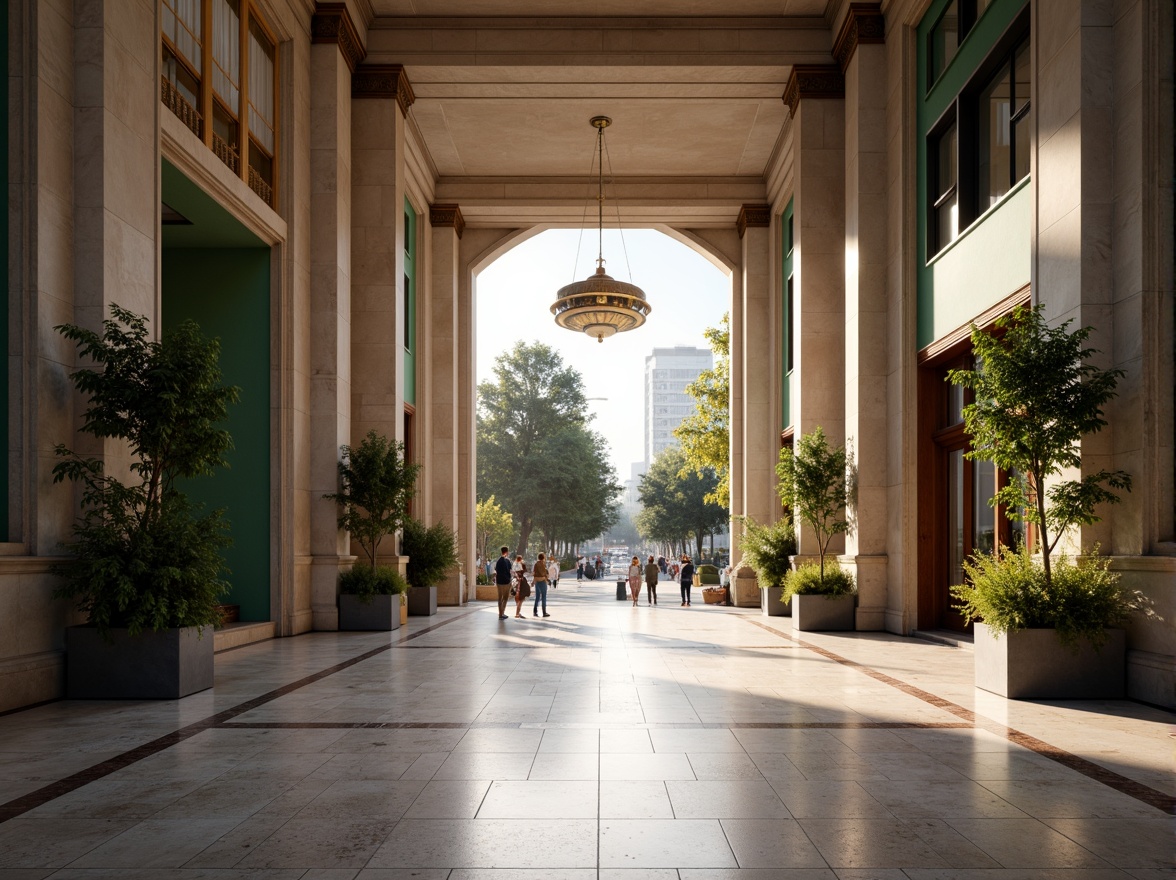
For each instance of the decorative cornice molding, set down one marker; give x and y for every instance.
(753, 215)
(447, 216)
(383, 81)
(331, 23)
(813, 81)
(863, 24)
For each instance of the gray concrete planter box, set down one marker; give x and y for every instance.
(382, 614)
(422, 601)
(1032, 664)
(817, 613)
(150, 666)
(772, 605)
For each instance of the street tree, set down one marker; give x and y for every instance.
(704, 436)
(494, 526)
(675, 501)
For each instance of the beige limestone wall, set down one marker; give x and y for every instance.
(759, 433)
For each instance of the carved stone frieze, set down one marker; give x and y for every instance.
(332, 23)
(863, 24)
(813, 81)
(383, 81)
(447, 216)
(753, 215)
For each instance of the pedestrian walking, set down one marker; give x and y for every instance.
(522, 588)
(635, 580)
(599, 566)
(540, 575)
(579, 569)
(553, 572)
(503, 575)
(651, 574)
(686, 580)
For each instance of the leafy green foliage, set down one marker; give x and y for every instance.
(367, 582)
(705, 435)
(494, 526)
(767, 548)
(1009, 591)
(376, 486)
(675, 501)
(535, 454)
(431, 551)
(1036, 396)
(810, 580)
(144, 556)
(814, 483)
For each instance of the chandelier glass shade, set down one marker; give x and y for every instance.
(600, 305)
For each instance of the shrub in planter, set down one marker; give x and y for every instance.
(814, 483)
(369, 599)
(708, 575)
(431, 551)
(820, 601)
(768, 550)
(808, 581)
(365, 583)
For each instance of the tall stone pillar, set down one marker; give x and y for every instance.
(759, 434)
(735, 405)
(440, 451)
(862, 57)
(333, 56)
(815, 97)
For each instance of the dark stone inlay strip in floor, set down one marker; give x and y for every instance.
(532, 725)
(1148, 795)
(53, 790)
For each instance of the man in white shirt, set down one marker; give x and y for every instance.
(553, 571)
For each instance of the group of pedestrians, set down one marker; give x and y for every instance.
(650, 572)
(515, 579)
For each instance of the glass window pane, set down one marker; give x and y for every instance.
(261, 88)
(994, 172)
(983, 515)
(955, 405)
(1023, 75)
(182, 25)
(945, 40)
(946, 206)
(955, 516)
(226, 51)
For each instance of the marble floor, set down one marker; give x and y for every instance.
(605, 741)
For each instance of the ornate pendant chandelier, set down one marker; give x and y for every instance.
(600, 305)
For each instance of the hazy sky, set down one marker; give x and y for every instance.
(687, 293)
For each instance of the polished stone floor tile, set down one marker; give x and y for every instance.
(562, 765)
(319, 843)
(727, 799)
(528, 800)
(486, 843)
(672, 766)
(1026, 843)
(663, 843)
(870, 843)
(635, 800)
(723, 765)
(771, 843)
(1129, 843)
(157, 843)
(807, 799)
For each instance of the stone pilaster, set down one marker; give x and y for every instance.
(439, 447)
(815, 96)
(759, 434)
(863, 60)
(330, 314)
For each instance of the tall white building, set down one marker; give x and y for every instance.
(667, 373)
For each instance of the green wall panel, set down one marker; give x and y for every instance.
(4, 536)
(227, 292)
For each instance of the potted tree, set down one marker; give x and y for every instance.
(814, 484)
(769, 551)
(1049, 627)
(147, 567)
(431, 551)
(375, 487)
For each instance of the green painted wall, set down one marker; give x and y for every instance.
(4, 536)
(227, 292)
(787, 235)
(410, 303)
(936, 303)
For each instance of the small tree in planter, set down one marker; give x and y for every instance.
(768, 550)
(814, 484)
(146, 558)
(1036, 396)
(431, 551)
(376, 486)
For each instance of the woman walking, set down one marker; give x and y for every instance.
(522, 588)
(652, 570)
(635, 580)
(686, 580)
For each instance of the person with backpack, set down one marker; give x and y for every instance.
(540, 575)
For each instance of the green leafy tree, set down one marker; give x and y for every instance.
(145, 557)
(767, 549)
(705, 435)
(814, 484)
(431, 551)
(535, 455)
(675, 501)
(493, 524)
(1036, 396)
(375, 487)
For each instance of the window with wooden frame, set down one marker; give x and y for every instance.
(220, 78)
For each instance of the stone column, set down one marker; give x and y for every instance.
(332, 59)
(439, 453)
(862, 57)
(815, 97)
(759, 434)
(735, 405)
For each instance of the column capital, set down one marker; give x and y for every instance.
(447, 216)
(331, 23)
(383, 81)
(813, 81)
(864, 23)
(753, 215)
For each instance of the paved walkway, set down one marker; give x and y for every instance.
(603, 742)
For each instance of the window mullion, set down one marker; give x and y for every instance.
(243, 91)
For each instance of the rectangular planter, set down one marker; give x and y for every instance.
(745, 592)
(1032, 664)
(382, 614)
(817, 613)
(150, 666)
(422, 601)
(772, 605)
